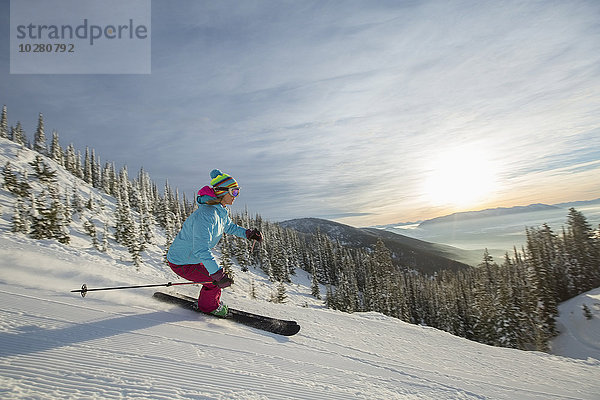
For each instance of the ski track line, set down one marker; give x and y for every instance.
(394, 365)
(110, 358)
(417, 380)
(283, 364)
(155, 360)
(90, 357)
(293, 380)
(83, 363)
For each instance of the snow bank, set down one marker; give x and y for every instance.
(580, 334)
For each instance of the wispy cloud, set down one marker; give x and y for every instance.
(342, 108)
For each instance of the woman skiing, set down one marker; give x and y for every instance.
(190, 253)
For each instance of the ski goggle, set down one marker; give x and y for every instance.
(233, 191)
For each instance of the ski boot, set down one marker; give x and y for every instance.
(221, 311)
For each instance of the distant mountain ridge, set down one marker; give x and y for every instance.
(578, 203)
(490, 212)
(493, 212)
(407, 252)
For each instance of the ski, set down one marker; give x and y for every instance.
(268, 324)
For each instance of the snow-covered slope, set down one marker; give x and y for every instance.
(580, 334)
(122, 344)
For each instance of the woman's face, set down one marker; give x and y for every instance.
(227, 199)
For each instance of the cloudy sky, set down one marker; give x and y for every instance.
(365, 112)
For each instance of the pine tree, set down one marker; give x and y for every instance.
(40, 223)
(70, 162)
(278, 262)
(20, 219)
(314, 286)
(42, 171)
(124, 227)
(68, 208)
(90, 229)
(4, 124)
(239, 246)
(330, 300)
(18, 135)
(10, 178)
(108, 182)
(104, 247)
(56, 152)
(382, 273)
(96, 172)
(583, 251)
(39, 143)
(78, 168)
(87, 167)
(59, 227)
(319, 257)
(146, 219)
(540, 257)
(280, 295)
(135, 249)
(226, 263)
(77, 204)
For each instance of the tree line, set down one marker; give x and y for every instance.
(513, 303)
(47, 212)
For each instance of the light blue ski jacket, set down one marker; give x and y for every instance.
(200, 232)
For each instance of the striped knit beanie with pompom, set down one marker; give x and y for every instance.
(221, 181)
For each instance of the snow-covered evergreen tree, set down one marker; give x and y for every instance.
(87, 166)
(39, 141)
(108, 180)
(90, 229)
(4, 124)
(96, 171)
(280, 295)
(583, 251)
(314, 284)
(21, 219)
(56, 152)
(78, 169)
(40, 224)
(69, 159)
(226, 261)
(10, 182)
(104, 246)
(124, 224)
(18, 135)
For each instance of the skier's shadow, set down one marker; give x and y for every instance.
(33, 339)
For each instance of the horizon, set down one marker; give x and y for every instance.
(360, 113)
(406, 223)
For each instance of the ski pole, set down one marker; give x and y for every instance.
(84, 289)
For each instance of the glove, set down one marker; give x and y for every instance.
(221, 279)
(254, 234)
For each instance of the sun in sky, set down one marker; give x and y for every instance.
(460, 177)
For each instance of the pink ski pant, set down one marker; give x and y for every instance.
(210, 295)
